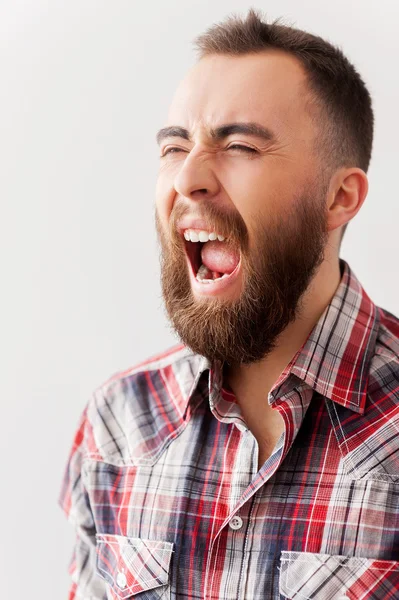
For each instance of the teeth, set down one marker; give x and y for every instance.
(202, 271)
(212, 280)
(194, 237)
(201, 236)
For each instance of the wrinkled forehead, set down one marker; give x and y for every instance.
(268, 87)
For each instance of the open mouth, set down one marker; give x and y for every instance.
(200, 271)
(193, 251)
(202, 274)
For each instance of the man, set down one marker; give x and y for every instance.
(259, 459)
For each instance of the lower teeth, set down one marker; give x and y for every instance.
(203, 271)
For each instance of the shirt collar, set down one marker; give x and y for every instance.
(335, 359)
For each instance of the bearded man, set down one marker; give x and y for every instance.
(259, 458)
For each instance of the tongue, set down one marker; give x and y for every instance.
(217, 257)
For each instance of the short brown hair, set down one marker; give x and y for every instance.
(345, 115)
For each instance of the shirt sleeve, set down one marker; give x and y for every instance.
(74, 501)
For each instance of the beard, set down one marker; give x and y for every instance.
(275, 275)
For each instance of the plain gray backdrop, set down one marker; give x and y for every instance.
(85, 84)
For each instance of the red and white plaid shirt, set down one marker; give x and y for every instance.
(163, 488)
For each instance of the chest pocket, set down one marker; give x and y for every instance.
(134, 567)
(304, 576)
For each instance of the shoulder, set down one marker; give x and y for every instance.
(389, 332)
(131, 412)
(384, 368)
(387, 342)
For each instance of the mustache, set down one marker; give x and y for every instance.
(218, 218)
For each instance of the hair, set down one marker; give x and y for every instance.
(344, 113)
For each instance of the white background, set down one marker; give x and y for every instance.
(85, 84)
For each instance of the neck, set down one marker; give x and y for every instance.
(256, 380)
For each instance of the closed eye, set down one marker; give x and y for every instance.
(172, 150)
(242, 148)
(238, 147)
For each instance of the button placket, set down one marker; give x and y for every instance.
(233, 525)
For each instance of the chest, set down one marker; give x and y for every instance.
(197, 507)
(264, 453)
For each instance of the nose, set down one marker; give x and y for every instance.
(196, 178)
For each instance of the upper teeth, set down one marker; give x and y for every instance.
(201, 236)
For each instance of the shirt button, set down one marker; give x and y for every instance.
(235, 523)
(121, 580)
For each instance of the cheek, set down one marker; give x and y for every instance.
(248, 187)
(164, 198)
(259, 189)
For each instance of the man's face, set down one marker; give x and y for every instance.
(261, 190)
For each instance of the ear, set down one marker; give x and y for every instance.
(347, 192)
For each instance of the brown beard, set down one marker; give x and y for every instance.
(290, 248)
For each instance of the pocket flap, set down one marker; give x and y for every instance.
(304, 575)
(132, 565)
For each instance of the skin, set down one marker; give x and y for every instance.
(261, 193)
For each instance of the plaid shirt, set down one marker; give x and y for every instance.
(163, 488)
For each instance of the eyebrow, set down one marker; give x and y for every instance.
(218, 134)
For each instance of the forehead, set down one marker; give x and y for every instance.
(267, 87)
